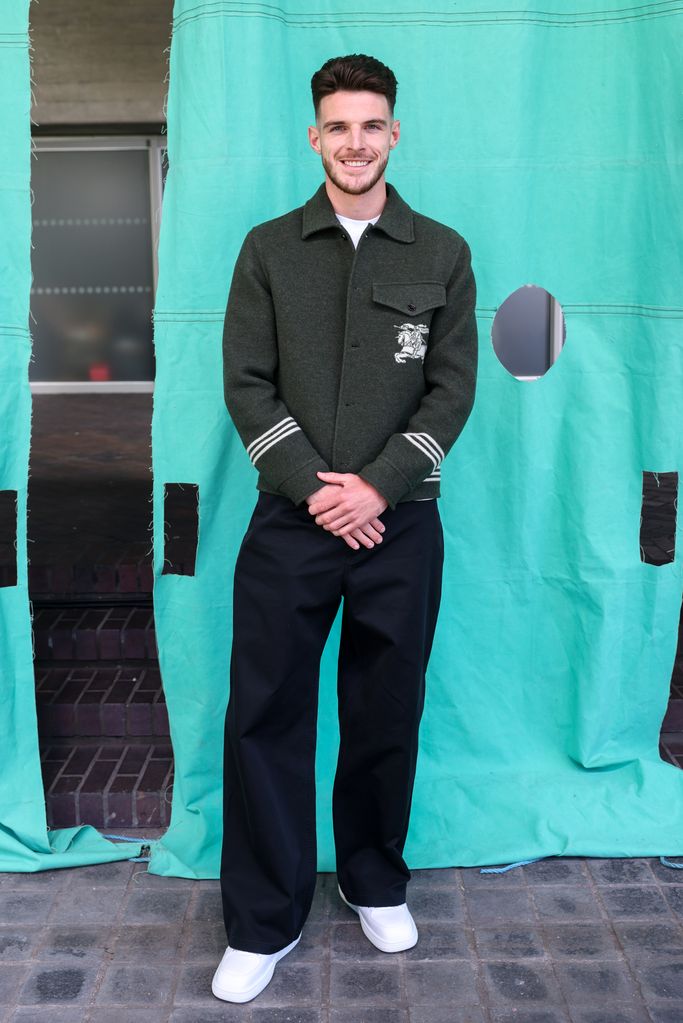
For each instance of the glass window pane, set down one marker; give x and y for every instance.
(92, 294)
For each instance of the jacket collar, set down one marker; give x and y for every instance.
(396, 218)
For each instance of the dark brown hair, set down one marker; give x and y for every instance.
(356, 72)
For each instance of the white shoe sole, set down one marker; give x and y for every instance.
(381, 943)
(246, 994)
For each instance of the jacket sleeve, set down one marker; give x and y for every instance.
(450, 370)
(274, 441)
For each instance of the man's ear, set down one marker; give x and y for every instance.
(396, 126)
(314, 138)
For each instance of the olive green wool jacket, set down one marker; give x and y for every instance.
(359, 360)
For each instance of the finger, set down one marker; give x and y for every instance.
(341, 521)
(370, 531)
(351, 542)
(364, 540)
(378, 524)
(332, 511)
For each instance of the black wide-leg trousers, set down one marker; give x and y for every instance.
(290, 576)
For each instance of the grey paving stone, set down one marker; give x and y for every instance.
(448, 1014)
(664, 1013)
(556, 870)
(36, 880)
(99, 875)
(124, 1014)
(314, 943)
(674, 897)
(49, 1014)
(496, 907)
(442, 941)
(347, 941)
(614, 1013)
(565, 902)
(219, 1012)
(194, 984)
(155, 944)
(509, 942)
(522, 1015)
(319, 910)
(365, 983)
(294, 984)
(26, 907)
(667, 875)
(620, 871)
(522, 983)
(595, 983)
(18, 942)
(585, 940)
(207, 943)
(259, 1014)
(57, 983)
(208, 906)
(143, 879)
(126, 984)
(661, 981)
(452, 983)
(646, 939)
(86, 905)
(633, 901)
(434, 877)
(156, 907)
(11, 978)
(472, 877)
(373, 1014)
(74, 942)
(435, 904)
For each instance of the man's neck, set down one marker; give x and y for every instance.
(358, 207)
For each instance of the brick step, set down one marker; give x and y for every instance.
(108, 784)
(132, 574)
(95, 700)
(106, 632)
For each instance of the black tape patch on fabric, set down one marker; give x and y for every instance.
(181, 528)
(8, 538)
(658, 517)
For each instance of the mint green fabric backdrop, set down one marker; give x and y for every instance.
(550, 140)
(25, 842)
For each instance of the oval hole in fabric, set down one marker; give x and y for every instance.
(528, 332)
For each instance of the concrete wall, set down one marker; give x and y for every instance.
(99, 62)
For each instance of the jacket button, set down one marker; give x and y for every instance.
(412, 307)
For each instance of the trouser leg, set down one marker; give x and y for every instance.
(287, 589)
(392, 594)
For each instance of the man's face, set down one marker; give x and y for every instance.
(353, 134)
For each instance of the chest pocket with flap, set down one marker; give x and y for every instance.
(411, 299)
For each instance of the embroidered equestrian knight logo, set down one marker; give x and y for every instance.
(410, 338)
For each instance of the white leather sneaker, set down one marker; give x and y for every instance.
(242, 975)
(389, 928)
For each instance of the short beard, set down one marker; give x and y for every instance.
(359, 189)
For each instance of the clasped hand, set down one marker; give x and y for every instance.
(348, 506)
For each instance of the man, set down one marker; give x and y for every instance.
(350, 358)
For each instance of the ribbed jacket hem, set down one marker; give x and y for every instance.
(432, 489)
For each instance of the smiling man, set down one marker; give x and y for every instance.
(350, 361)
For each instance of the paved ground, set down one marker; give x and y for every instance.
(567, 939)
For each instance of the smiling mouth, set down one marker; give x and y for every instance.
(356, 163)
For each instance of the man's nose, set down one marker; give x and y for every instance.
(356, 138)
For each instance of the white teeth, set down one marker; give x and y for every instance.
(356, 163)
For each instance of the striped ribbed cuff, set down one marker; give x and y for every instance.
(304, 481)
